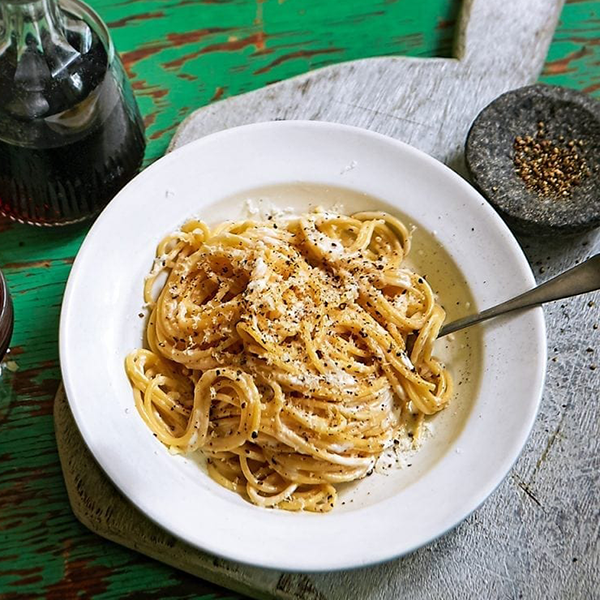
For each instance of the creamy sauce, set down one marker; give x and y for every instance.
(404, 462)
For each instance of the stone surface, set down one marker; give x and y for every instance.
(489, 157)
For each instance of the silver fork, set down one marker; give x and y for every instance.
(579, 280)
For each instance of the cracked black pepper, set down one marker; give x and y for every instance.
(552, 169)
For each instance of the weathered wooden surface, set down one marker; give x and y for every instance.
(44, 551)
(429, 103)
(101, 507)
(201, 51)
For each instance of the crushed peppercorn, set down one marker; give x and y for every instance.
(550, 168)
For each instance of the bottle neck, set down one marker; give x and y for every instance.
(30, 24)
(34, 51)
(36, 27)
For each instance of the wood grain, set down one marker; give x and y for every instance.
(119, 521)
(194, 52)
(45, 552)
(429, 103)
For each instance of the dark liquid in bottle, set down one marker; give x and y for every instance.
(66, 150)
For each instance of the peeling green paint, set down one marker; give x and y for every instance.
(182, 55)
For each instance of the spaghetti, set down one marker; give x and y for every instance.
(290, 352)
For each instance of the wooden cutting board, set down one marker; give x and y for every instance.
(429, 103)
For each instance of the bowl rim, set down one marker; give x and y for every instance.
(283, 563)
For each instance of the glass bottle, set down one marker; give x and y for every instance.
(71, 135)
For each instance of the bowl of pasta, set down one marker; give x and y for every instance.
(249, 346)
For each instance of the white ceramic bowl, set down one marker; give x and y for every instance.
(383, 516)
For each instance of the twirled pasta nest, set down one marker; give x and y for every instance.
(288, 351)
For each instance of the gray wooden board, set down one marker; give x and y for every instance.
(537, 536)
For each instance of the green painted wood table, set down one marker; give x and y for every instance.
(182, 54)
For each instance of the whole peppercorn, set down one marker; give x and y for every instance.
(551, 169)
